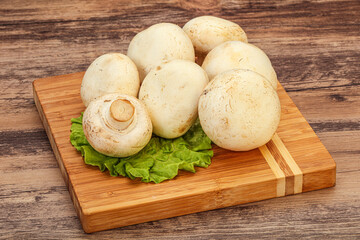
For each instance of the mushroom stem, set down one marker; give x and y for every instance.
(121, 110)
(121, 114)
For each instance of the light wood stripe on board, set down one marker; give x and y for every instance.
(298, 175)
(279, 174)
(275, 151)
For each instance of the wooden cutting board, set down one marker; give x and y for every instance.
(294, 161)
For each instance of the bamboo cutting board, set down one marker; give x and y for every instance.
(294, 161)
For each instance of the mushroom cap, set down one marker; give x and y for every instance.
(171, 93)
(159, 44)
(117, 125)
(207, 32)
(236, 54)
(239, 110)
(110, 73)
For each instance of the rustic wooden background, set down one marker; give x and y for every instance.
(314, 47)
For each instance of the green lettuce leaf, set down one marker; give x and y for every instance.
(160, 160)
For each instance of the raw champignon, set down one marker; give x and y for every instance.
(171, 93)
(110, 73)
(159, 44)
(117, 125)
(239, 110)
(236, 54)
(207, 32)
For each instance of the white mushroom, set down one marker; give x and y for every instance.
(236, 54)
(207, 32)
(171, 93)
(110, 73)
(159, 44)
(117, 125)
(239, 110)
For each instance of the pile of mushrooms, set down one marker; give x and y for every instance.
(238, 108)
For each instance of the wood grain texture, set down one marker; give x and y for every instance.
(233, 177)
(314, 47)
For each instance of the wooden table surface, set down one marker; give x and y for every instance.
(314, 48)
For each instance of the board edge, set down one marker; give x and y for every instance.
(56, 151)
